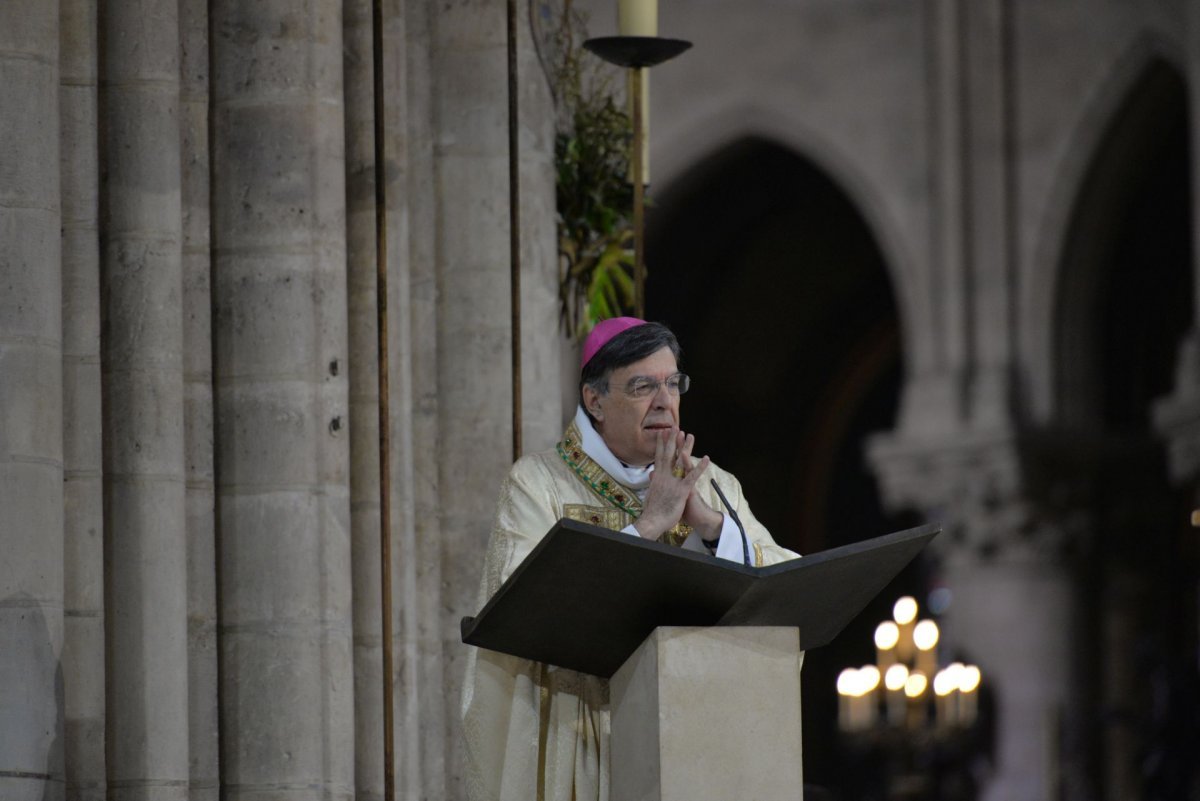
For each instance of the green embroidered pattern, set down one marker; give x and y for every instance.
(607, 487)
(594, 475)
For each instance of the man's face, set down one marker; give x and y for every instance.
(631, 426)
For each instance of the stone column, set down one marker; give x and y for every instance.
(203, 728)
(935, 388)
(31, 428)
(474, 323)
(282, 455)
(143, 414)
(422, 593)
(989, 226)
(473, 380)
(83, 645)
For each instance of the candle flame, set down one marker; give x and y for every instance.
(905, 610)
(925, 635)
(969, 680)
(895, 677)
(915, 686)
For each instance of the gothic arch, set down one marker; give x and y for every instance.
(686, 142)
(1129, 94)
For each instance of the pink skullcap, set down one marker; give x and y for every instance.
(602, 333)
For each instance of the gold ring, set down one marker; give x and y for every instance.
(678, 472)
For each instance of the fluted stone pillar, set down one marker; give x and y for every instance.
(143, 416)
(282, 465)
(423, 590)
(31, 426)
(474, 402)
(937, 336)
(471, 184)
(83, 645)
(989, 184)
(203, 728)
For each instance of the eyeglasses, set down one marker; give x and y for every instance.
(642, 387)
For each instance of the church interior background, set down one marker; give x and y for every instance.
(929, 260)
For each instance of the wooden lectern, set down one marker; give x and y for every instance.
(692, 644)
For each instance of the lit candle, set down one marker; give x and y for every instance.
(868, 681)
(887, 634)
(894, 680)
(925, 637)
(968, 683)
(845, 687)
(954, 678)
(945, 687)
(914, 690)
(904, 611)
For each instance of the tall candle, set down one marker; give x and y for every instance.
(894, 680)
(887, 634)
(925, 637)
(845, 689)
(868, 680)
(904, 612)
(637, 17)
(945, 687)
(914, 690)
(969, 686)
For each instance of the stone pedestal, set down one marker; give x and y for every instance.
(709, 713)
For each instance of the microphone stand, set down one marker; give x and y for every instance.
(733, 514)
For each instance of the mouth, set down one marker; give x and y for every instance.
(658, 426)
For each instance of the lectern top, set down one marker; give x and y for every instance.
(585, 598)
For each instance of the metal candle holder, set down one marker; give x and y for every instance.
(637, 53)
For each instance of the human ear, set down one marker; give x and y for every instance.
(591, 402)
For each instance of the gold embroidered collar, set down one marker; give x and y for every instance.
(595, 476)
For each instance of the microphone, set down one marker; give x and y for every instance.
(733, 514)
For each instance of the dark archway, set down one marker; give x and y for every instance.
(782, 300)
(1124, 306)
(1124, 297)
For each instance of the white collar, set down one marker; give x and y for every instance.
(636, 478)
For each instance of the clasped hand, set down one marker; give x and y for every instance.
(672, 496)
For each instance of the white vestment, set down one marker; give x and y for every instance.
(535, 732)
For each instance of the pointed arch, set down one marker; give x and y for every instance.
(1114, 130)
(684, 143)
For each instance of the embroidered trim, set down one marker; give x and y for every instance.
(594, 475)
(758, 555)
(603, 516)
(607, 487)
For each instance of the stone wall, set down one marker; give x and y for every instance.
(188, 452)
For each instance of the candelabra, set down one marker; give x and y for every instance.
(919, 720)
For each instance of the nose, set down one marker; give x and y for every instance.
(662, 395)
